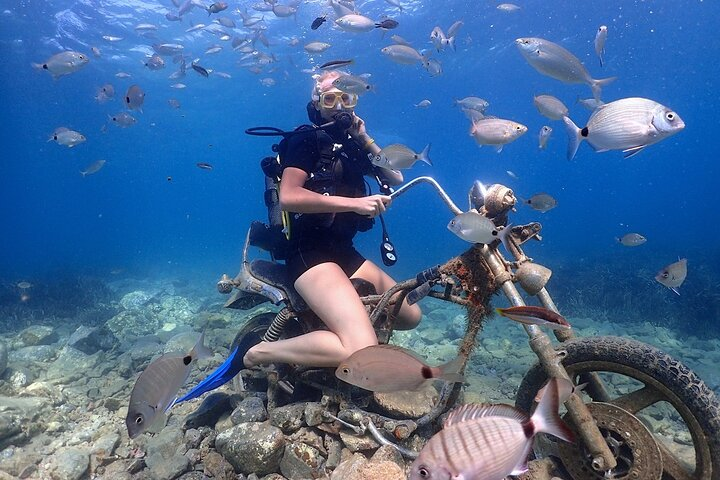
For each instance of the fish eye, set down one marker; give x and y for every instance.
(346, 370)
(423, 472)
(139, 420)
(518, 127)
(670, 116)
(665, 275)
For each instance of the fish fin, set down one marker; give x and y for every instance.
(200, 350)
(425, 155)
(596, 85)
(574, 137)
(472, 411)
(545, 418)
(675, 289)
(631, 152)
(502, 235)
(451, 42)
(522, 467)
(83, 174)
(499, 148)
(450, 371)
(158, 423)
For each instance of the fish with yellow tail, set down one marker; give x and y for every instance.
(389, 368)
(490, 441)
(531, 315)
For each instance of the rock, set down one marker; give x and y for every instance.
(90, 340)
(163, 446)
(288, 418)
(106, 444)
(19, 461)
(349, 468)
(355, 443)
(383, 470)
(301, 461)
(386, 453)
(117, 470)
(36, 335)
(407, 404)
(193, 437)
(19, 376)
(217, 467)
(3, 357)
(69, 464)
(252, 409)
(252, 447)
(170, 468)
(26, 355)
(313, 414)
(18, 422)
(71, 361)
(133, 323)
(210, 410)
(135, 300)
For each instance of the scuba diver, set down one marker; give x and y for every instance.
(323, 189)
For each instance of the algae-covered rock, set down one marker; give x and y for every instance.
(252, 447)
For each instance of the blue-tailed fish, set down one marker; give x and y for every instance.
(389, 368)
(532, 315)
(673, 275)
(157, 387)
(490, 442)
(628, 124)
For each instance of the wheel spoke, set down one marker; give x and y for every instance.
(638, 400)
(672, 467)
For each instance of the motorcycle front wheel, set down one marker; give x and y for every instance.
(659, 419)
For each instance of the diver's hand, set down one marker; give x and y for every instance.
(357, 129)
(372, 206)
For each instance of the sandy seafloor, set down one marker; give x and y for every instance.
(65, 390)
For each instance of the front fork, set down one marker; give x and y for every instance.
(587, 429)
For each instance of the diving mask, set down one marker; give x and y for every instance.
(330, 100)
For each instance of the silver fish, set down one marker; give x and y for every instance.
(496, 132)
(542, 202)
(434, 67)
(398, 157)
(673, 275)
(155, 62)
(490, 442)
(63, 63)
(454, 28)
(105, 93)
(123, 119)
(475, 228)
(352, 84)
(390, 368)
(590, 103)
(397, 39)
(134, 98)
(68, 138)
(422, 104)
(544, 136)
(631, 239)
(600, 39)
(174, 103)
(355, 23)
(157, 387)
(508, 7)
(554, 61)
(440, 40)
(283, 11)
(404, 55)
(93, 168)
(316, 47)
(551, 107)
(628, 124)
(472, 103)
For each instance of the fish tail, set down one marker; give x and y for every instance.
(503, 234)
(39, 66)
(596, 85)
(574, 137)
(545, 418)
(451, 371)
(451, 42)
(83, 174)
(425, 155)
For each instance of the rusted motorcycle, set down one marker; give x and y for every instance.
(626, 381)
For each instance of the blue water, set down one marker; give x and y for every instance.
(129, 217)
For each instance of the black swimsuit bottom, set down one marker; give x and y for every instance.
(314, 251)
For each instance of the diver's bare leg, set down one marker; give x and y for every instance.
(329, 293)
(409, 315)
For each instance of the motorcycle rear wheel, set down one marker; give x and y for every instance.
(652, 380)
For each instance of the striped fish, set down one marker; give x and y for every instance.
(489, 442)
(531, 315)
(628, 124)
(157, 387)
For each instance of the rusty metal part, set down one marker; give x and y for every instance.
(499, 200)
(633, 446)
(532, 277)
(602, 457)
